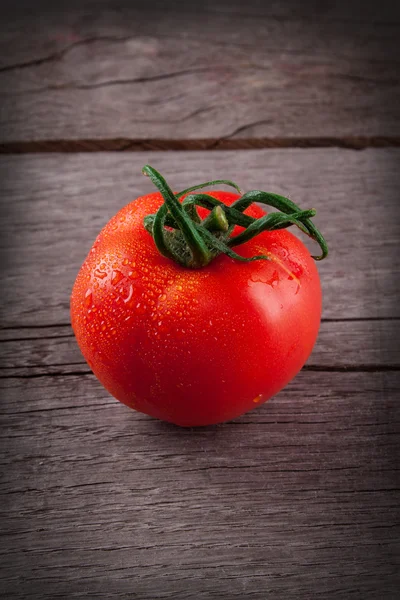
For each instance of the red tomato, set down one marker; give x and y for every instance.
(194, 346)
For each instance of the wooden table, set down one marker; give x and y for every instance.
(298, 499)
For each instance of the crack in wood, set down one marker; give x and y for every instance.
(58, 54)
(111, 83)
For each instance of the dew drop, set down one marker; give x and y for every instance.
(141, 308)
(162, 297)
(99, 274)
(133, 274)
(130, 293)
(89, 298)
(125, 261)
(116, 277)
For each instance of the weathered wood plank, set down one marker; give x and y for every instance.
(298, 499)
(209, 70)
(54, 206)
(338, 346)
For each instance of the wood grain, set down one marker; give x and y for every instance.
(196, 71)
(98, 501)
(54, 206)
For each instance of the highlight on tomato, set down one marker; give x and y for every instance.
(197, 307)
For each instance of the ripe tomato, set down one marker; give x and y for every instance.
(194, 346)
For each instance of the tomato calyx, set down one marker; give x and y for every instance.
(181, 235)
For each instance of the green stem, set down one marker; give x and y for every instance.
(180, 234)
(201, 256)
(216, 220)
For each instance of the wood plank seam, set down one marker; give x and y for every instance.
(309, 368)
(205, 144)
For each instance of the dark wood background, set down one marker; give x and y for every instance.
(298, 499)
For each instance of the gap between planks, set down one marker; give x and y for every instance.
(310, 368)
(223, 143)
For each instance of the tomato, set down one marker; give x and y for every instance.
(194, 346)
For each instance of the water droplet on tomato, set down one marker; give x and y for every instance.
(99, 274)
(125, 261)
(88, 298)
(162, 297)
(141, 308)
(130, 294)
(133, 274)
(117, 276)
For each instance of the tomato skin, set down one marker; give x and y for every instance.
(194, 347)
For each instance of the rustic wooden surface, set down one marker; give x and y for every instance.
(300, 498)
(207, 72)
